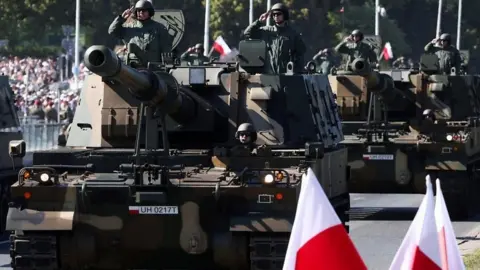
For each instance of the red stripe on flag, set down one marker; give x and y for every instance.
(423, 262)
(133, 212)
(218, 48)
(330, 249)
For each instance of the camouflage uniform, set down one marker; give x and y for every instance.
(150, 36)
(325, 61)
(355, 50)
(284, 44)
(195, 58)
(448, 56)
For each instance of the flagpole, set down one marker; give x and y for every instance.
(250, 13)
(77, 43)
(439, 18)
(377, 17)
(269, 6)
(459, 23)
(206, 31)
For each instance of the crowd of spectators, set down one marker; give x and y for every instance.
(39, 90)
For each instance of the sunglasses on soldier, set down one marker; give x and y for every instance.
(277, 13)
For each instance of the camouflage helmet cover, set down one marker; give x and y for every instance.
(446, 37)
(144, 4)
(283, 8)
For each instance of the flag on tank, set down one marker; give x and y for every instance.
(221, 46)
(419, 249)
(449, 251)
(318, 239)
(387, 51)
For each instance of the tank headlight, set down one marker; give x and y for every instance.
(44, 177)
(268, 179)
(449, 137)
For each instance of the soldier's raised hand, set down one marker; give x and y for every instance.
(347, 39)
(127, 13)
(435, 40)
(264, 16)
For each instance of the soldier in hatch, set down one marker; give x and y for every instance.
(325, 61)
(354, 47)
(194, 55)
(448, 56)
(246, 135)
(400, 63)
(284, 44)
(150, 36)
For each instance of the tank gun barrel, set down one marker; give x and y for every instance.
(375, 81)
(156, 89)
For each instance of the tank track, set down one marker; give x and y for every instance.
(267, 251)
(37, 251)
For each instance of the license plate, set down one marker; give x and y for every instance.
(378, 157)
(153, 210)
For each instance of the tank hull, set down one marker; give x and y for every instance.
(113, 224)
(402, 168)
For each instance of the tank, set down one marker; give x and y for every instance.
(418, 122)
(152, 176)
(11, 139)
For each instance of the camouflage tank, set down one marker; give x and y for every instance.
(400, 125)
(11, 140)
(153, 177)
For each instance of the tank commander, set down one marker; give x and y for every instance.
(400, 63)
(325, 61)
(354, 47)
(149, 35)
(284, 44)
(448, 55)
(246, 135)
(194, 55)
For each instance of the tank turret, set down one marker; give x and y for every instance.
(354, 86)
(375, 81)
(155, 89)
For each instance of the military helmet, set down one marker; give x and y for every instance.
(246, 128)
(144, 4)
(446, 37)
(281, 7)
(199, 46)
(357, 32)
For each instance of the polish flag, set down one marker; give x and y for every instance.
(221, 46)
(387, 51)
(342, 10)
(419, 249)
(449, 252)
(230, 56)
(318, 239)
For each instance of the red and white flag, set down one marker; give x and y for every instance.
(230, 56)
(318, 239)
(419, 249)
(387, 51)
(449, 252)
(221, 46)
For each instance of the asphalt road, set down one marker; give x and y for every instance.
(378, 233)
